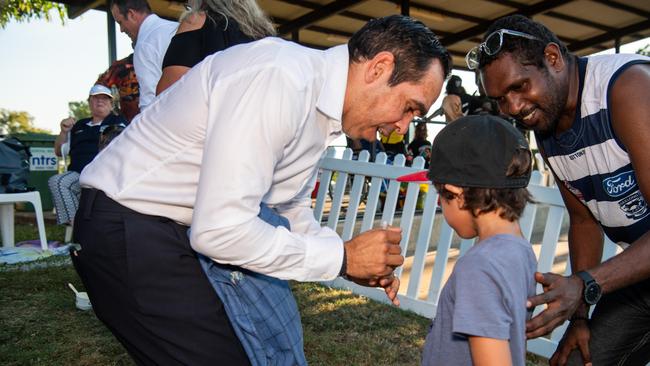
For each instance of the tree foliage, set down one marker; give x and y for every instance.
(79, 109)
(12, 122)
(26, 10)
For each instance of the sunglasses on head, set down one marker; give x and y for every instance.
(492, 45)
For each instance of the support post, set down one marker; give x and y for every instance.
(405, 7)
(112, 43)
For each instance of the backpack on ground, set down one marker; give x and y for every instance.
(14, 166)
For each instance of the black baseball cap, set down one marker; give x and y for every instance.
(474, 151)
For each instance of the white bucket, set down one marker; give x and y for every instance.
(83, 302)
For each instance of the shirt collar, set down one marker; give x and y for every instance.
(147, 26)
(332, 94)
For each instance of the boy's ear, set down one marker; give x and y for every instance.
(454, 189)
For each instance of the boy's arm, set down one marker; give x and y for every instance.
(490, 351)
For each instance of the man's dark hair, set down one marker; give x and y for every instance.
(108, 134)
(411, 42)
(526, 51)
(455, 86)
(511, 201)
(141, 6)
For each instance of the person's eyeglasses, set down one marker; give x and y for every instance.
(106, 129)
(492, 45)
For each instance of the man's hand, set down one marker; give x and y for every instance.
(390, 284)
(562, 294)
(391, 287)
(66, 124)
(576, 336)
(374, 254)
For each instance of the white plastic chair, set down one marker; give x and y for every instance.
(7, 201)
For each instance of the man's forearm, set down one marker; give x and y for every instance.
(585, 245)
(629, 267)
(585, 252)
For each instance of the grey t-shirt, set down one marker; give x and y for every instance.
(485, 296)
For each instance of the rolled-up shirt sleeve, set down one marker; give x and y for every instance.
(244, 143)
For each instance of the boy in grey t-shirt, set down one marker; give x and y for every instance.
(480, 166)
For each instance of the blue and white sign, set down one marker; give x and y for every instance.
(43, 159)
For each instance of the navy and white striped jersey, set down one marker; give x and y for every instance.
(592, 162)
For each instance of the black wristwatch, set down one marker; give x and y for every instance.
(592, 291)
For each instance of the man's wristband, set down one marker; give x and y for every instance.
(344, 265)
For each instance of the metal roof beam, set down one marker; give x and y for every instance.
(476, 30)
(319, 29)
(580, 21)
(75, 10)
(312, 5)
(318, 14)
(590, 42)
(554, 14)
(441, 11)
(325, 30)
(624, 7)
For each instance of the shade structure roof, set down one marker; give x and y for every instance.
(586, 26)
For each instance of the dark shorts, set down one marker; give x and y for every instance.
(620, 328)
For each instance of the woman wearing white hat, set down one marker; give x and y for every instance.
(79, 140)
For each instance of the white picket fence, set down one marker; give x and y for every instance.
(353, 175)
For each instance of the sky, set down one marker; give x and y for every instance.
(44, 65)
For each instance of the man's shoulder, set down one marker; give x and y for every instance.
(155, 27)
(286, 53)
(272, 53)
(606, 66)
(600, 73)
(155, 21)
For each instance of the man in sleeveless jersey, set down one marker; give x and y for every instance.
(590, 118)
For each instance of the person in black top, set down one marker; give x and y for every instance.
(419, 140)
(79, 140)
(208, 27)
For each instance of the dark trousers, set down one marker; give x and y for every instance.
(620, 328)
(146, 284)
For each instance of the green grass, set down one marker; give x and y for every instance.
(39, 324)
(29, 232)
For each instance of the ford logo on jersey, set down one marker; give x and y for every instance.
(620, 184)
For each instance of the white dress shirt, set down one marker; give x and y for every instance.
(154, 36)
(246, 125)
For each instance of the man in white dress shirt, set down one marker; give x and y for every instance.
(151, 36)
(180, 163)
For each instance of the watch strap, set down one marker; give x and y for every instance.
(591, 291)
(585, 277)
